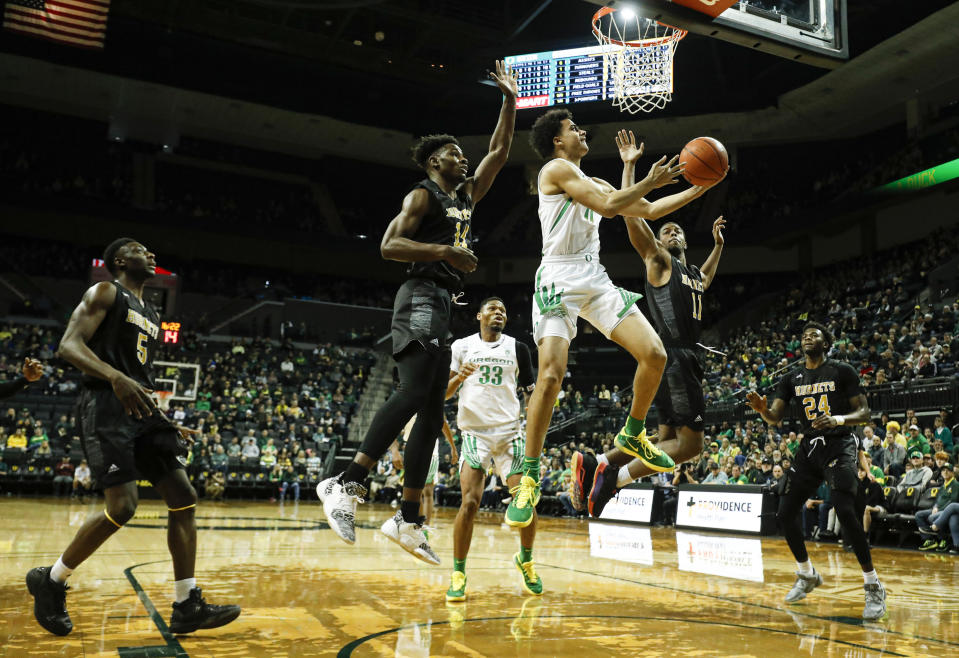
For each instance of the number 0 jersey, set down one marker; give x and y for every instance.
(676, 307)
(823, 391)
(569, 228)
(488, 403)
(126, 339)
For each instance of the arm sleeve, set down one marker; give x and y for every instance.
(525, 378)
(456, 361)
(10, 388)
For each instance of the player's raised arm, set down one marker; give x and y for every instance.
(629, 201)
(712, 262)
(641, 236)
(508, 82)
(84, 321)
(397, 244)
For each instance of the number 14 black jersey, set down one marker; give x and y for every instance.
(823, 391)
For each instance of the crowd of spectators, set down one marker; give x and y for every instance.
(261, 407)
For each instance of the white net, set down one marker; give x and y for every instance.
(637, 58)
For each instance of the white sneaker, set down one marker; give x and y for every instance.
(324, 488)
(340, 507)
(411, 538)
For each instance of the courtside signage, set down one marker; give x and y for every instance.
(721, 510)
(630, 505)
(621, 542)
(731, 557)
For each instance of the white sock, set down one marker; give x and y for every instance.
(805, 568)
(59, 572)
(602, 460)
(181, 589)
(624, 476)
(870, 577)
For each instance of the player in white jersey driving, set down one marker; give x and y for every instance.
(487, 368)
(570, 283)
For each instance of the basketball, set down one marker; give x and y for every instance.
(705, 159)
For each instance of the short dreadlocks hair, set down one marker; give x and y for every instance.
(428, 145)
(110, 253)
(826, 334)
(545, 128)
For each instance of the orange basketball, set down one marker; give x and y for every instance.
(705, 159)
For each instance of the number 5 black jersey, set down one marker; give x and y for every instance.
(126, 339)
(824, 391)
(677, 305)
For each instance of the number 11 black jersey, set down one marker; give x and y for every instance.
(676, 307)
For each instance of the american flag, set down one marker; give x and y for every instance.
(81, 23)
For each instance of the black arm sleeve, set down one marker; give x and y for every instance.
(525, 379)
(12, 388)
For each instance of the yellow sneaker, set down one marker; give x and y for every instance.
(457, 590)
(526, 495)
(640, 447)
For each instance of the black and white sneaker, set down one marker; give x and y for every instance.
(49, 601)
(803, 586)
(195, 613)
(325, 488)
(340, 507)
(875, 602)
(411, 537)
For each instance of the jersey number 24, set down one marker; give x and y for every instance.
(810, 405)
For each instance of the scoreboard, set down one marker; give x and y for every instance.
(579, 75)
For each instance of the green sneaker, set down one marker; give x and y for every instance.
(929, 545)
(646, 452)
(457, 590)
(532, 583)
(526, 495)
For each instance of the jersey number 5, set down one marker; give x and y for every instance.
(810, 405)
(697, 310)
(142, 348)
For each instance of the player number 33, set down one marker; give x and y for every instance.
(492, 375)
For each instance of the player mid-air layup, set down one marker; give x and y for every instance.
(570, 282)
(674, 291)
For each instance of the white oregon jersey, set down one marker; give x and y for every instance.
(569, 228)
(488, 403)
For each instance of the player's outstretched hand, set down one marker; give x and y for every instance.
(626, 143)
(756, 402)
(664, 173)
(506, 79)
(135, 399)
(32, 369)
(718, 227)
(462, 259)
(187, 434)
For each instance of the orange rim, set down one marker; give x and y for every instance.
(605, 11)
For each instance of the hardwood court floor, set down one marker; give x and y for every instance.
(305, 593)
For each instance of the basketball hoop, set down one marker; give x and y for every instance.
(637, 58)
(163, 399)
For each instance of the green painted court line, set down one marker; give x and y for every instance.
(173, 647)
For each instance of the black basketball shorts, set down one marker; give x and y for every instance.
(121, 448)
(833, 459)
(679, 400)
(421, 312)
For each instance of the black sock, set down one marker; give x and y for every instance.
(355, 473)
(410, 511)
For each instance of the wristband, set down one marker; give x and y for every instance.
(840, 420)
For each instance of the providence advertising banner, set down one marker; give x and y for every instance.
(721, 510)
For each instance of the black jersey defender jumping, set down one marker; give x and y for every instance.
(674, 292)
(829, 401)
(111, 337)
(432, 233)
